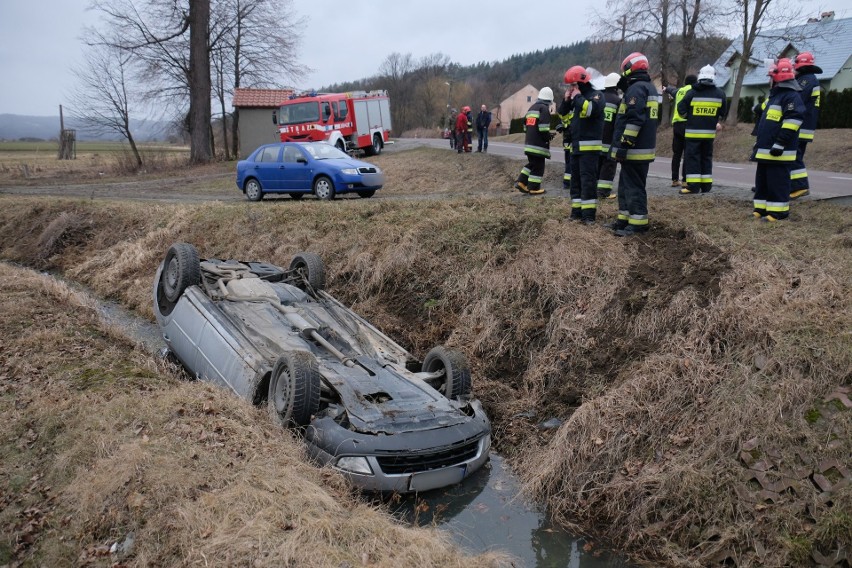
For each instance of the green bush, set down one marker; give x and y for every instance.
(516, 125)
(836, 110)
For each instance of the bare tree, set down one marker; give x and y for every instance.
(755, 16)
(102, 99)
(200, 149)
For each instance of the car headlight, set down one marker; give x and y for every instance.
(486, 443)
(349, 171)
(355, 464)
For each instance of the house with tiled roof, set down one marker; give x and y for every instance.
(256, 108)
(828, 39)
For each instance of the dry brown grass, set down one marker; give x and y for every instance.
(99, 443)
(679, 361)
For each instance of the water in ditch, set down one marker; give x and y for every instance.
(483, 513)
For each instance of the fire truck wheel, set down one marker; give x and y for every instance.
(377, 145)
(324, 188)
(341, 146)
(253, 190)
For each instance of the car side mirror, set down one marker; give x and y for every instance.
(274, 117)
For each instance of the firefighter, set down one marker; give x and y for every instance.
(702, 107)
(777, 142)
(806, 72)
(468, 140)
(566, 114)
(586, 131)
(461, 131)
(451, 128)
(536, 143)
(678, 129)
(634, 143)
(606, 165)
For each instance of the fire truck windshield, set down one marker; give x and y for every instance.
(298, 113)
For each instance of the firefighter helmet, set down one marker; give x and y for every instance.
(546, 94)
(611, 80)
(465, 109)
(634, 62)
(782, 71)
(804, 59)
(707, 73)
(577, 74)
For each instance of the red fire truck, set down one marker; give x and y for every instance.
(359, 120)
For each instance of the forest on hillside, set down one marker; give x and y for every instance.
(422, 90)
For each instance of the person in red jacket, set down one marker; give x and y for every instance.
(462, 143)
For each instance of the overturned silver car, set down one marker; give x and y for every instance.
(364, 404)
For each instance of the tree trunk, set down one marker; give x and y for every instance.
(134, 149)
(225, 148)
(200, 150)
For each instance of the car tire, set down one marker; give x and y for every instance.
(377, 145)
(456, 382)
(181, 269)
(367, 194)
(324, 188)
(296, 196)
(294, 389)
(253, 191)
(311, 267)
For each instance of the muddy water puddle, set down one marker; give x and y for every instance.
(483, 513)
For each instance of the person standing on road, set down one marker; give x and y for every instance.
(586, 132)
(536, 143)
(461, 131)
(678, 130)
(565, 112)
(702, 107)
(777, 143)
(806, 72)
(483, 121)
(634, 144)
(468, 143)
(606, 165)
(451, 128)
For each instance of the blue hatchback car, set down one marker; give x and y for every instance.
(300, 168)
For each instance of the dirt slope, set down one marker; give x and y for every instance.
(702, 373)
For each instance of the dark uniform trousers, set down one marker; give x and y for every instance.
(533, 172)
(678, 142)
(566, 177)
(772, 189)
(632, 198)
(798, 173)
(606, 175)
(698, 162)
(584, 180)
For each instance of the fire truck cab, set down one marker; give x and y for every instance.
(354, 121)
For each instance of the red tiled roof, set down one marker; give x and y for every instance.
(260, 98)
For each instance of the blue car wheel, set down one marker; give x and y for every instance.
(253, 190)
(324, 188)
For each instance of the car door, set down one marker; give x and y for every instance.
(268, 167)
(296, 173)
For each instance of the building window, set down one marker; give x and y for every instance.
(529, 98)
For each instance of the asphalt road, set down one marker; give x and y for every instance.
(824, 185)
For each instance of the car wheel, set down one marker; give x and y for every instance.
(367, 194)
(253, 190)
(456, 382)
(324, 188)
(181, 269)
(311, 267)
(377, 144)
(297, 196)
(294, 389)
(341, 146)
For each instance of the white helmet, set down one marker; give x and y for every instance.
(707, 73)
(546, 94)
(611, 80)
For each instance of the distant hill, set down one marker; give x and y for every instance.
(16, 126)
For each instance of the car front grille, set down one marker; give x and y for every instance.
(366, 170)
(413, 463)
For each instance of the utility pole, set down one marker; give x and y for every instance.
(623, 21)
(449, 85)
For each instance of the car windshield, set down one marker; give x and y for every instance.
(324, 152)
(298, 113)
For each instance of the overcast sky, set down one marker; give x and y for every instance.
(342, 40)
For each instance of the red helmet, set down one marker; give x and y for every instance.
(577, 74)
(805, 58)
(782, 71)
(465, 109)
(634, 62)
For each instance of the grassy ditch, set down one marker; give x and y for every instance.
(700, 372)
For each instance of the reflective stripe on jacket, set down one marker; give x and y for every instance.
(537, 121)
(702, 108)
(637, 119)
(811, 97)
(587, 124)
(779, 124)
